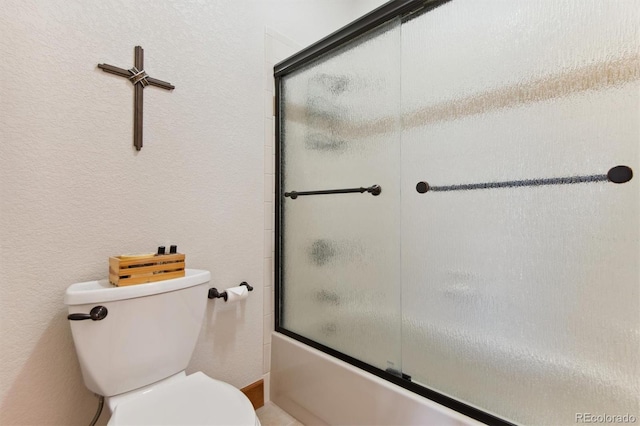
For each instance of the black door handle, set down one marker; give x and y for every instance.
(97, 313)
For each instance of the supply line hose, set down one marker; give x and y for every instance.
(97, 416)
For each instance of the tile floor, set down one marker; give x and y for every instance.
(272, 415)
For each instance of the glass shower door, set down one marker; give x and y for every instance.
(520, 271)
(340, 129)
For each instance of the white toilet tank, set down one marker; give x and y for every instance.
(148, 334)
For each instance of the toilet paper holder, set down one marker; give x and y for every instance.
(215, 294)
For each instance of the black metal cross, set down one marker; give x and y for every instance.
(140, 80)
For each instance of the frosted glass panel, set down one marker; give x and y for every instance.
(341, 270)
(522, 301)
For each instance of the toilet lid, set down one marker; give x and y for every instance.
(195, 400)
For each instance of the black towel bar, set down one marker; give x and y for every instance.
(618, 174)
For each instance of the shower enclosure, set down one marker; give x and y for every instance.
(456, 210)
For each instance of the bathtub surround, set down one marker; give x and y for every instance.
(277, 48)
(319, 389)
(74, 191)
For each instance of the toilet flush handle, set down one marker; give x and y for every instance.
(97, 313)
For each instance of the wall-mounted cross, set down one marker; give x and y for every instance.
(140, 80)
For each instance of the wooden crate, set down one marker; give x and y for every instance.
(130, 270)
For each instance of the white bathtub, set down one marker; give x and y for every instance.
(319, 389)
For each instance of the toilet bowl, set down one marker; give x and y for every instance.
(190, 400)
(135, 347)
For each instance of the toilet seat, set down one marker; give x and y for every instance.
(195, 400)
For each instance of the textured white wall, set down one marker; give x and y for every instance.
(307, 21)
(73, 191)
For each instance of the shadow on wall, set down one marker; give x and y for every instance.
(49, 389)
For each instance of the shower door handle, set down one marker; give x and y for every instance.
(373, 190)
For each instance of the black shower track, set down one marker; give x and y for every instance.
(386, 12)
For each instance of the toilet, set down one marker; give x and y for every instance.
(134, 344)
